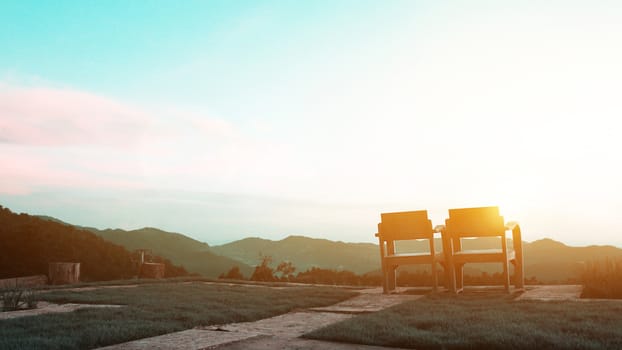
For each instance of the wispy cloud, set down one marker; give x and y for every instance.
(26, 169)
(57, 117)
(64, 138)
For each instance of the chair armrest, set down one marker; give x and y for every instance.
(515, 228)
(439, 228)
(517, 238)
(517, 242)
(511, 225)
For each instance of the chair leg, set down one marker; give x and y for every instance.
(434, 277)
(519, 272)
(519, 275)
(391, 278)
(445, 275)
(383, 272)
(450, 277)
(506, 276)
(385, 276)
(459, 272)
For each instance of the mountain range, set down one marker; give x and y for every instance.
(546, 260)
(195, 256)
(305, 253)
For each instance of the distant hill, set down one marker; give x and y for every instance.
(547, 260)
(305, 253)
(552, 261)
(195, 256)
(166, 243)
(29, 243)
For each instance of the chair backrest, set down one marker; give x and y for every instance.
(405, 225)
(475, 222)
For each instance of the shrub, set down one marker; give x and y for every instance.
(18, 298)
(233, 274)
(602, 279)
(287, 269)
(327, 276)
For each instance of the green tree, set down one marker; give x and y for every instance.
(264, 272)
(233, 274)
(287, 269)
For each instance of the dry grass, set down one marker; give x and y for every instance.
(484, 322)
(603, 279)
(154, 309)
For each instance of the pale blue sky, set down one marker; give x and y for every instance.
(224, 119)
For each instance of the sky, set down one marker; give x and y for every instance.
(228, 119)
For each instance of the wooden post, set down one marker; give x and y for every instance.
(64, 273)
(151, 270)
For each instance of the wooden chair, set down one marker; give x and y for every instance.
(477, 223)
(404, 226)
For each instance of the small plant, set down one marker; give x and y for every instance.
(30, 298)
(18, 298)
(10, 299)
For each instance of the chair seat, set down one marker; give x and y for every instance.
(400, 255)
(410, 258)
(482, 255)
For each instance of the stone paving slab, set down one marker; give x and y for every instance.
(291, 325)
(366, 303)
(191, 339)
(552, 293)
(45, 308)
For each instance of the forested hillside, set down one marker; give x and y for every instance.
(28, 244)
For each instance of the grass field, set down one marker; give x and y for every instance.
(485, 322)
(153, 309)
